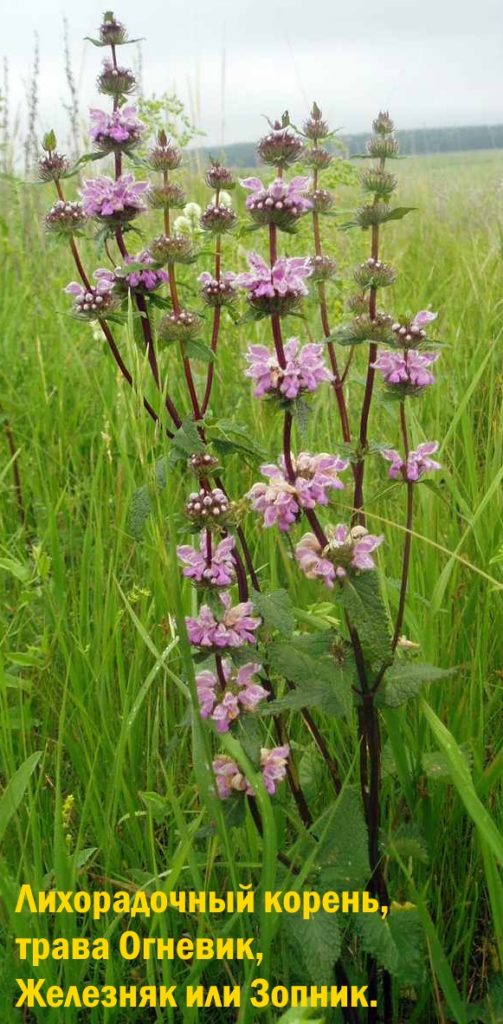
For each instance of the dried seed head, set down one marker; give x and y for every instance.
(315, 127)
(173, 249)
(115, 81)
(280, 147)
(164, 156)
(379, 182)
(385, 148)
(318, 158)
(166, 197)
(367, 329)
(323, 268)
(321, 199)
(383, 125)
(181, 326)
(374, 274)
(376, 213)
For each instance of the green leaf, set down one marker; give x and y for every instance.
(361, 597)
(187, 440)
(407, 933)
(317, 941)
(276, 610)
(343, 851)
(377, 939)
(141, 509)
(198, 350)
(320, 681)
(398, 213)
(14, 791)
(404, 680)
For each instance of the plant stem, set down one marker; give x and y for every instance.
(408, 534)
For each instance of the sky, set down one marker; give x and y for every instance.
(431, 62)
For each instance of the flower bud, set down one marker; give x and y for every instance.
(374, 274)
(318, 158)
(219, 177)
(164, 156)
(219, 292)
(166, 197)
(368, 216)
(383, 148)
(112, 32)
(115, 81)
(383, 125)
(379, 182)
(315, 127)
(323, 268)
(202, 464)
(49, 142)
(280, 147)
(173, 249)
(218, 219)
(65, 218)
(181, 326)
(53, 166)
(205, 506)
(321, 199)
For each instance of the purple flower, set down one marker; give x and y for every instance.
(277, 289)
(417, 463)
(218, 292)
(406, 367)
(280, 500)
(144, 280)
(423, 318)
(241, 693)
(304, 369)
(93, 302)
(119, 129)
(229, 778)
(273, 765)
(114, 201)
(346, 549)
(235, 628)
(280, 203)
(413, 330)
(211, 566)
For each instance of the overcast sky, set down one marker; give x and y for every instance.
(432, 62)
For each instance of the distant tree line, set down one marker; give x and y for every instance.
(414, 142)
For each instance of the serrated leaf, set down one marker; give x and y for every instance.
(343, 850)
(187, 440)
(377, 939)
(361, 597)
(404, 680)
(198, 350)
(317, 941)
(275, 610)
(407, 933)
(320, 682)
(141, 509)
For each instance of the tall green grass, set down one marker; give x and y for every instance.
(93, 700)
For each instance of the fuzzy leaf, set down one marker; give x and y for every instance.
(186, 441)
(198, 350)
(398, 213)
(377, 939)
(403, 681)
(276, 610)
(317, 941)
(407, 933)
(343, 850)
(319, 681)
(361, 597)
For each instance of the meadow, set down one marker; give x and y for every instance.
(90, 701)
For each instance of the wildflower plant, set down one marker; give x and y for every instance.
(258, 659)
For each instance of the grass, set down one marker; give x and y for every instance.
(93, 698)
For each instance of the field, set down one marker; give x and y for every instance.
(89, 674)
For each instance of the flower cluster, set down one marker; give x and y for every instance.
(412, 332)
(114, 80)
(120, 129)
(93, 302)
(209, 565)
(280, 500)
(280, 203)
(241, 693)
(304, 370)
(142, 280)
(407, 368)
(415, 465)
(218, 292)
(112, 201)
(346, 550)
(230, 779)
(276, 289)
(65, 218)
(234, 628)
